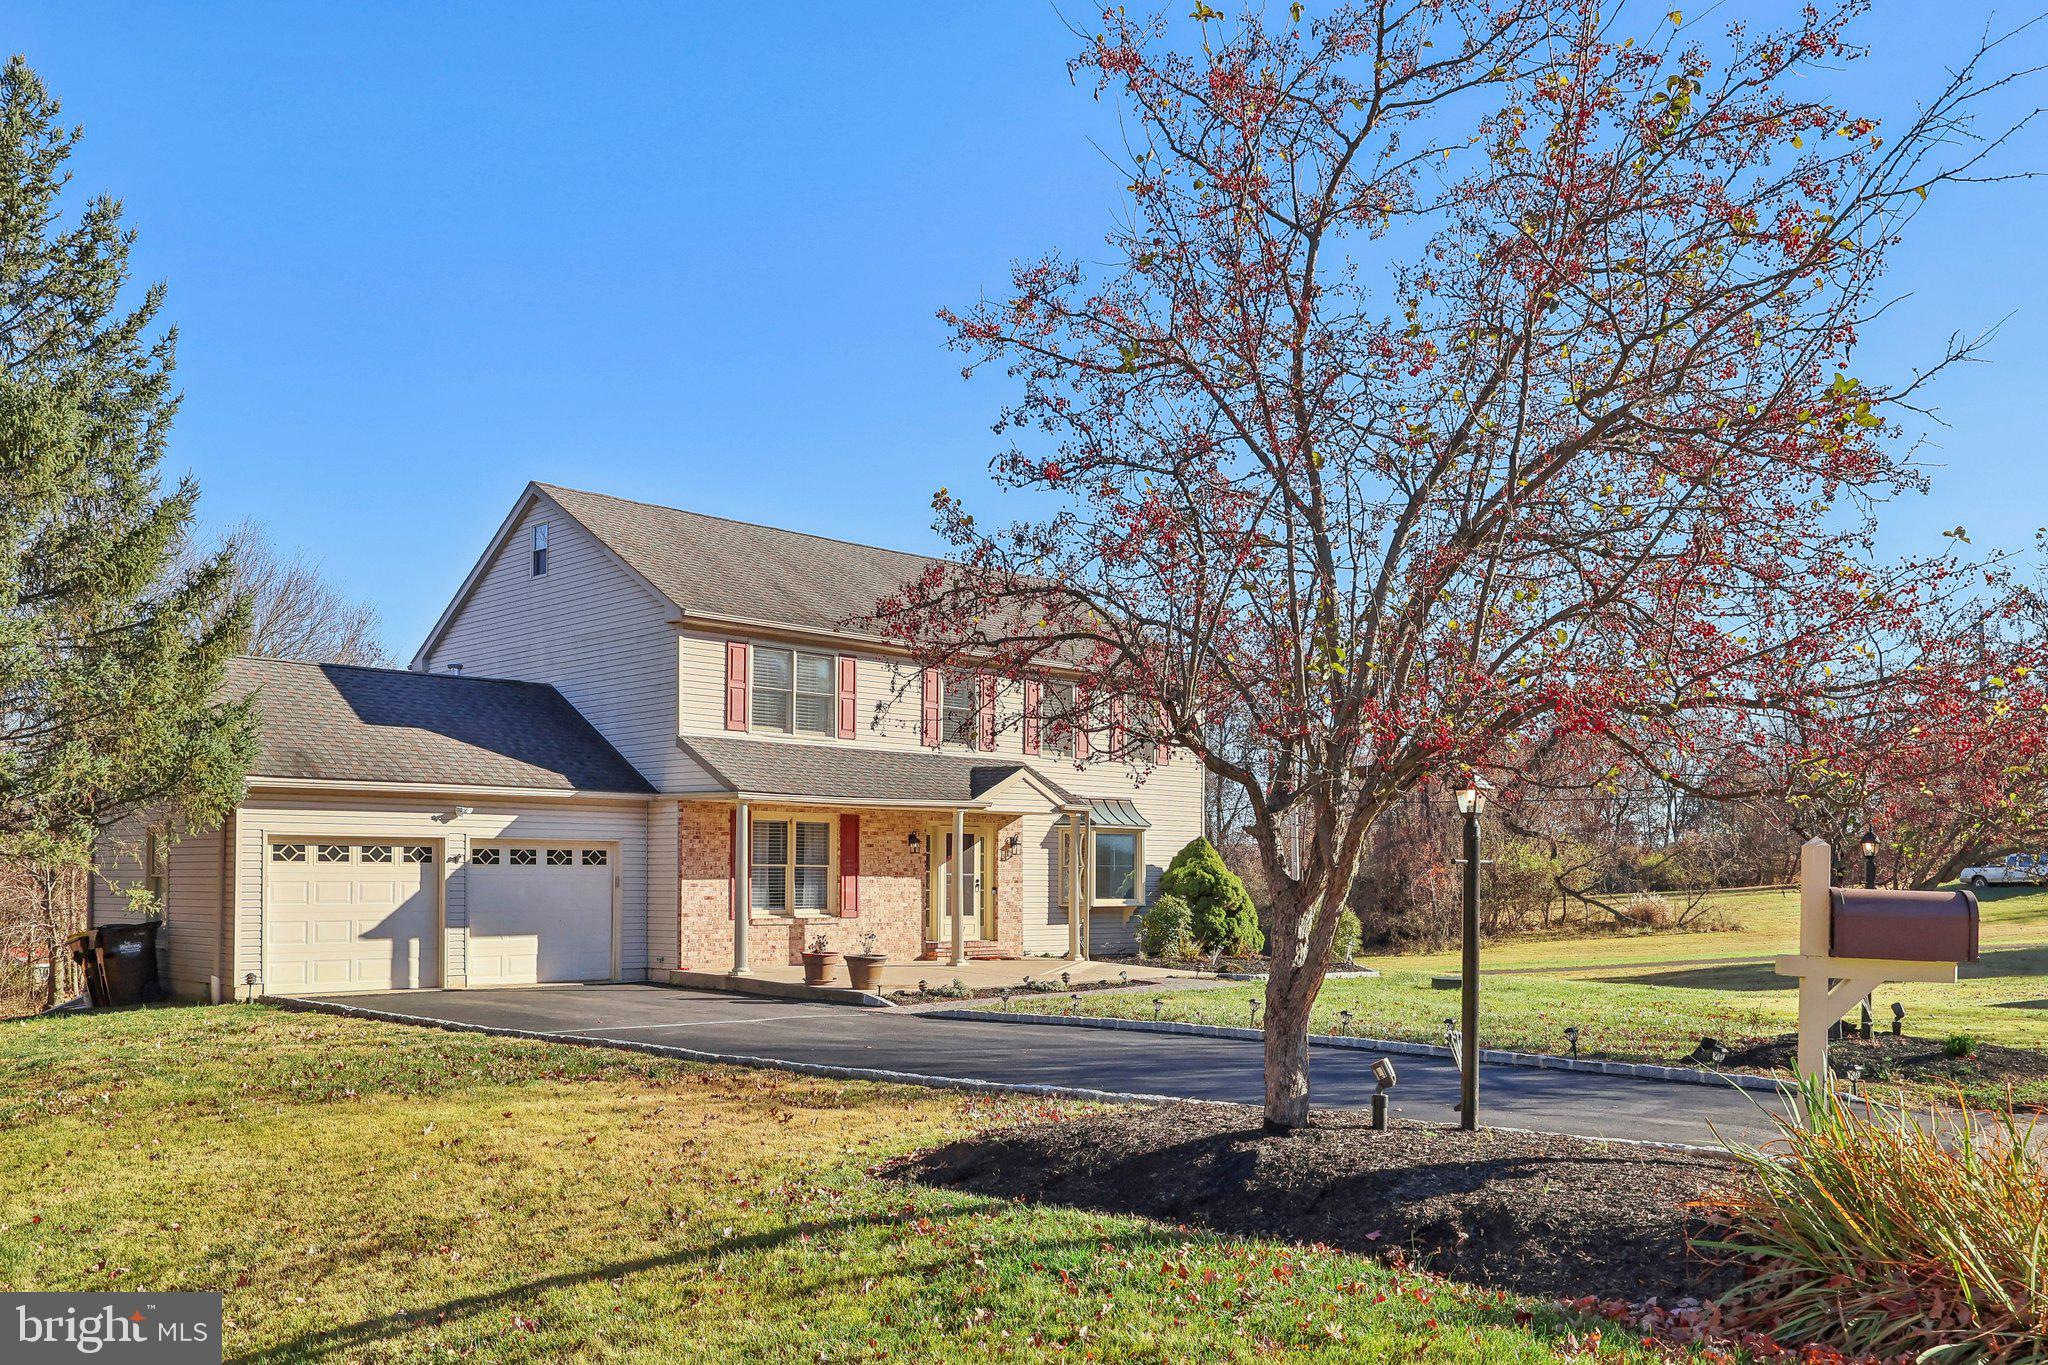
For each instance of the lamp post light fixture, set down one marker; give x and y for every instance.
(1471, 804)
(1869, 857)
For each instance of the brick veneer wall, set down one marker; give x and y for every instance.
(891, 892)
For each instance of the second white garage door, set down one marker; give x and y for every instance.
(539, 913)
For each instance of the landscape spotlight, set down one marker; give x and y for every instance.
(1383, 1081)
(1898, 1019)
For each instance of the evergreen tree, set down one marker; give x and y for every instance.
(1221, 913)
(111, 660)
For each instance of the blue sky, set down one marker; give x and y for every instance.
(420, 254)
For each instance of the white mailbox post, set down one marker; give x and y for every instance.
(1830, 986)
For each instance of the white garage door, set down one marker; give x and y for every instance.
(539, 913)
(351, 915)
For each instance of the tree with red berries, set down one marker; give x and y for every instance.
(1460, 375)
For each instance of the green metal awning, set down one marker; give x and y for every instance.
(1116, 813)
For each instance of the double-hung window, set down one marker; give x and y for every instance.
(1117, 866)
(790, 865)
(1056, 719)
(961, 705)
(794, 691)
(540, 550)
(156, 871)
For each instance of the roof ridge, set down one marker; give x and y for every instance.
(552, 488)
(392, 668)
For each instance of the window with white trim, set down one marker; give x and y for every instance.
(1119, 865)
(789, 865)
(1056, 719)
(540, 550)
(794, 691)
(156, 870)
(960, 710)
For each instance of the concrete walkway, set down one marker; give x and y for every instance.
(742, 1028)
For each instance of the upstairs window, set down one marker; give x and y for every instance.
(540, 550)
(1056, 719)
(794, 691)
(960, 718)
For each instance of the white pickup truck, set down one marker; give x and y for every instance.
(2016, 869)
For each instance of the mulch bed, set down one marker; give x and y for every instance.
(1885, 1058)
(1046, 988)
(1535, 1214)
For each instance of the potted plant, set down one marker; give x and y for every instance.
(819, 960)
(864, 968)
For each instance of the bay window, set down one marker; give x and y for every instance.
(1117, 866)
(794, 691)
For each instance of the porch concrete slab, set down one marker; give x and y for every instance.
(740, 1027)
(977, 975)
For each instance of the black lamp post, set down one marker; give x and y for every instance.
(1869, 857)
(1471, 802)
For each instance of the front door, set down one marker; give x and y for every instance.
(941, 882)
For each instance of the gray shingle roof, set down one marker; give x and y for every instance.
(735, 568)
(827, 772)
(341, 723)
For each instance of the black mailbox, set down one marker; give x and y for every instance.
(1915, 926)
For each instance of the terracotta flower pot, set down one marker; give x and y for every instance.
(818, 968)
(865, 970)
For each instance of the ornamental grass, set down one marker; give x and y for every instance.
(1877, 1234)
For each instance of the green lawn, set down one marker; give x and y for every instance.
(364, 1191)
(1650, 997)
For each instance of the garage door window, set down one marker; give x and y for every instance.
(486, 857)
(287, 853)
(376, 853)
(419, 853)
(594, 857)
(524, 857)
(330, 853)
(561, 857)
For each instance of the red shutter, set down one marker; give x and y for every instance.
(1163, 750)
(988, 711)
(735, 685)
(847, 706)
(1118, 740)
(1081, 746)
(931, 708)
(1031, 704)
(849, 864)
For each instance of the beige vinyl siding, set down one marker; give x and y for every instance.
(190, 938)
(890, 700)
(586, 627)
(663, 887)
(269, 816)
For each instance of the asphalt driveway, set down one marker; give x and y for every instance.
(742, 1027)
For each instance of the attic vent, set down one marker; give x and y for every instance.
(455, 668)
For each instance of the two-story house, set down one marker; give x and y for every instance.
(641, 741)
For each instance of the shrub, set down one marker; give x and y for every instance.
(1880, 1235)
(1163, 931)
(1345, 943)
(1959, 1045)
(1221, 913)
(1648, 910)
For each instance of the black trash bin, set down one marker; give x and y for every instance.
(128, 962)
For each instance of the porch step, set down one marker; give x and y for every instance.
(978, 950)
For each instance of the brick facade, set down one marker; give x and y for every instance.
(892, 890)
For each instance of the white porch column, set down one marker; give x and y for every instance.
(960, 887)
(1077, 949)
(743, 891)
